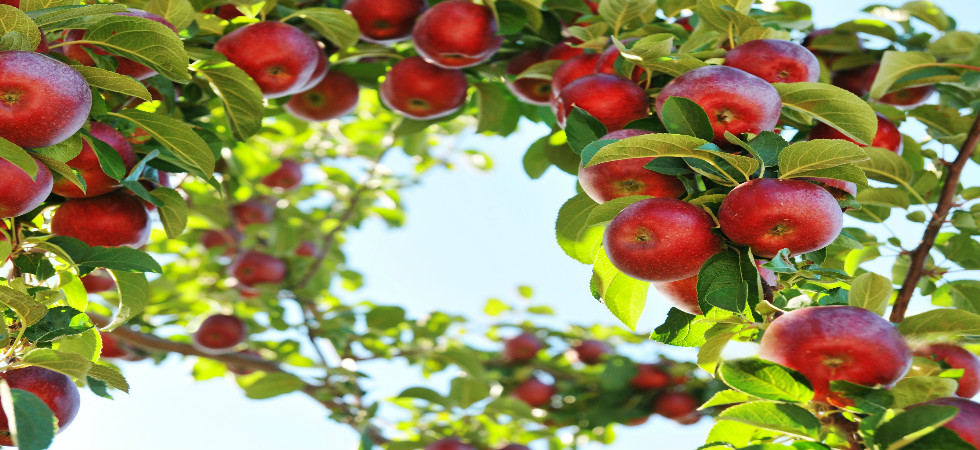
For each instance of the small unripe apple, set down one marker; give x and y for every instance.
(770, 214)
(111, 220)
(660, 239)
(523, 347)
(956, 357)
(650, 376)
(964, 423)
(534, 392)
(528, 90)
(613, 100)
(334, 96)
(827, 343)
(591, 351)
(254, 267)
(887, 136)
(775, 61)
(19, 193)
(625, 177)
(449, 444)
(279, 57)
(54, 389)
(287, 176)
(385, 21)
(685, 23)
(87, 165)
(220, 333)
(455, 34)
(675, 405)
(422, 91)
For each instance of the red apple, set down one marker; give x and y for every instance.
(220, 333)
(125, 66)
(637, 421)
(385, 21)
(42, 101)
(837, 188)
(775, 61)
(111, 220)
(688, 419)
(226, 12)
(54, 389)
(98, 281)
(685, 23)
(334, 96)
(964, 423)
(770, 214)
(607, 63)
(515, 447)
(254, 267)
(422, 91)
(573, 69)
(221, 238)
(591, 351)
(735, 100)
(528, 90)
(625, 177)
(523, 347)
(613, 100)
(675, 405)
(448, 444)
(287, 176)
(827, 343)
(534, 392)
(661, 239)
(19, 193)
(650, 376)
(306, 249)
(887, 135)
(252, 211)
(14, 3)
(279, 57)
(87, 165)
(111, 347)
(319, 71)
(456, 34)
(564, 50)
(957, 357)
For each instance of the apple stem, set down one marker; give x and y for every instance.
(917, 257)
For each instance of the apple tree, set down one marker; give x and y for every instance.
(195, 166)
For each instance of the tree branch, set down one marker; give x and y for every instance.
(917, 258)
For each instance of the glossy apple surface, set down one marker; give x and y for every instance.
(279, 57)
(98, 281)
(775, 61)
(254, 267)
(54, 389)
(534, 392)
(220, 332)
(111, 220)
(625, 177)
(956, 357)
(572, 70)
(19, 193)
(334, 96)
(455, 34)
(613, 100)
(287, 176)
(422, 91)
(529, 90)
(674, 405)
(385, 21)
(88, 166)
(650, 376)
(111, 347)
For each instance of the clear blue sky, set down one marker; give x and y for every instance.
(469, 236)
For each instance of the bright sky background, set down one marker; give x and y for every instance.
(469, 236)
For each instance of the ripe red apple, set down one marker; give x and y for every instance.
(675, 405)
(319, 71)
(775, 61)
(385, 21)
(43, 101)
(624, 177)
(42, 47)
(573, 69)
(564, 50)
(125, 66)
(534, 392)
(287, 176)
(456, 34)
(837, 188)
(334, 96)
(607, 63)
(591, 351)
(111, 347)
(14, 3)
(661, 239)
(254, 267)
(227, 12)
(964, 423)
(306, 249)
(449, 444)
(19, 193)
(827, 343)
(87, 165)
(735, 100)
(685, 23)
(279, 57)
(111, 220)
(769, 214)
(422, 91)
(523, 347)
(528, 90)
(887, 135)
(252, 211)
(956, 357)
(613, 100)
(220, 333)
(221, 238)
(637, 421)
(54, 389)
(650, 376)
(98, 281)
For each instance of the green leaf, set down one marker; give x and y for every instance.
(467, 391)
(63, 151)
(865, 399)
(88, 344)
(176, 136)
(32, 424)
(912, 390)
(71, 364)
(682, 329)
(716, 339)
(805, 157)
(239, 94)
(525, 291)
(34, 5)
(109, 375)
(56, 14)
(870, 291)
(178, 12)
(722, 14)
(109, 159)
(498, 111)
(727, 397)
(59, 321)
(62, 169)
(582, 129)
(142, 40)
(784, 418)
(645, 146)
(337, 25)
(941, 322)
(621, 13)
(928, 12)
(111, 81)
(173, 213)
(903, 69)
(385, 317)
(625, 297)
(133, 296)
(14, 20)
(272, 384)
(682, 116)
(467, 360)
(884, 165)
(730, 281)
(18, 157)
(425, 394)
(911, 425)
(495, 307)
(578, 240)
(764, 379)
(832, 105)
(117, 258)
(29, 310)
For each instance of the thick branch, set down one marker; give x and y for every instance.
(917, 258)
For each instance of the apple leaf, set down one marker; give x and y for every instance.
(716, 339)
(911, 390)
(29, 310)
(263, 385)
(110, 161)
(13, 20)
(71, 364)
(337, 25)
(727, 397)
(133, 296)
(730, 281)
(239, 94)
(110, 375)
(682, 116)
(18, 157)
(88, 344)
(802, 158)
(111, 81)
(625, 297)
(540, 71)
(58, 14)
(63, 151)
(918, 423)
(173, 211)
(681, 329)
(176, 136)
(620, 13)
(784, 418)
(116, 258)
(865, 399)
(941, 322)
(582, 129)
(725, 15)
(579, 241)
(465, 391)
(32, 424)
(605, 212)
(536, 160)
(870, 291)
(426, 394)
(142, 40)
(34, 5)
(499, 112)
(178, 12)
(884, 165)
(764, 379)
(887, 197)
(58, 322)
(645, 146)
(832, 105)
(903, 69)
(674, 64)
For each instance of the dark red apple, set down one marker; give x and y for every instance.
(613, 100)
(254, 267)
(523, 347)
(735, 100)
(111, 347)
(456, 34)
(528, 90)
(564, 50)
(887, 135)
(220, 333)
(449, 444)
(534, 392)
(125, 66)
(226, 12)
(625, 177)
(573, 69)
(422, 91)
(956, 357)
(252, 211)
(770, 214)
(87, 165)
(775, 61)
(827, 343)
(319, 71)
(287, 176)
(306, 249)
(964, 423)
(14, 3)
(98, 281)
(334, 96)
(685, 23)
(650, 376)
(661, 239)
(591, 351)
(42, 47)
(54, 389)
(279, 57)
(674, 405)
(111, 220)
(19, 193)
(43, 101)
(385, 21)
(221, 238)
